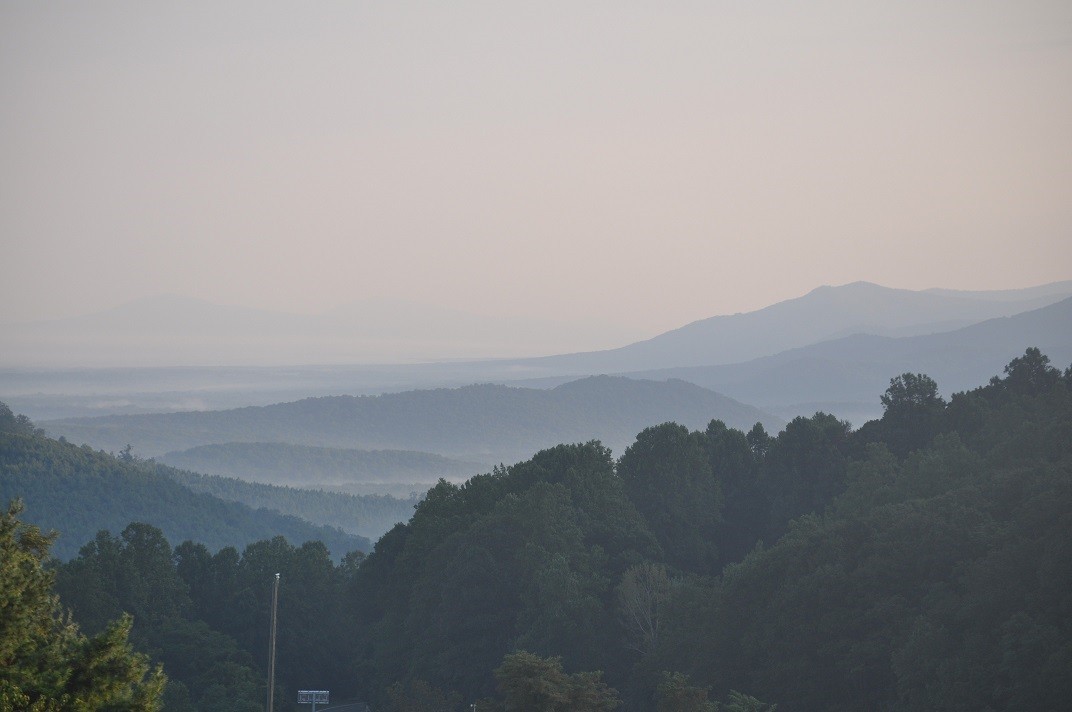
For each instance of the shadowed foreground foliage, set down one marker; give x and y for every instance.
(46, 664)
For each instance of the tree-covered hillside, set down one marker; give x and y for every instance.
(364, 515)
(205, 616)
(940, 577)
(921, 562)
(79, 491)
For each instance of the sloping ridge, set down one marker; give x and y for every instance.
(823, 314)
(858, 367)
(484, 423)
(79, 492)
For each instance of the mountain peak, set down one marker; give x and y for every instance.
(851, 287)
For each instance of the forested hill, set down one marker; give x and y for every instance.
(483, 423)
(921, 562)
(368, 516)
(79, 491)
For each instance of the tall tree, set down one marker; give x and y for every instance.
(642, 596)
(804, 469)
(1029, 375)
(46, 664)
(736, 461)
(912, 412)
(133, 573)
(668, 477)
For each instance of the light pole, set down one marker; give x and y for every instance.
(271, 645)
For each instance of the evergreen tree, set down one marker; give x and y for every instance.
(46, 664)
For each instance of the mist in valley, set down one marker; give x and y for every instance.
(616, 356)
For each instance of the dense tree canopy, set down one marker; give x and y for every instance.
(529, 683)
(921, 562)
(912, 409)
(668, 476)
(46, 664)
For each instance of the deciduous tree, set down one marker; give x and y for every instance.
(529, 683)
(642, 594)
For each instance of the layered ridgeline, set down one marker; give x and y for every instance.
(831, 349)
(923, 561)
(366, 515)
(824, 314)
(487, 424)
(177, 331)
(841, 375)
(396, 471)
(79, 491)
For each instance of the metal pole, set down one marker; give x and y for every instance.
(271, 645)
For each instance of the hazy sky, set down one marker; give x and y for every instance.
(642, 163)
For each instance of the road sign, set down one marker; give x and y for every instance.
(313, 697)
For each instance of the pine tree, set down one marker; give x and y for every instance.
(46, 663)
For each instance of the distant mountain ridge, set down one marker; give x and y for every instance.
(177, 331)
(725, 344)
(842, 375)
(823, 314)
(483, 423)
